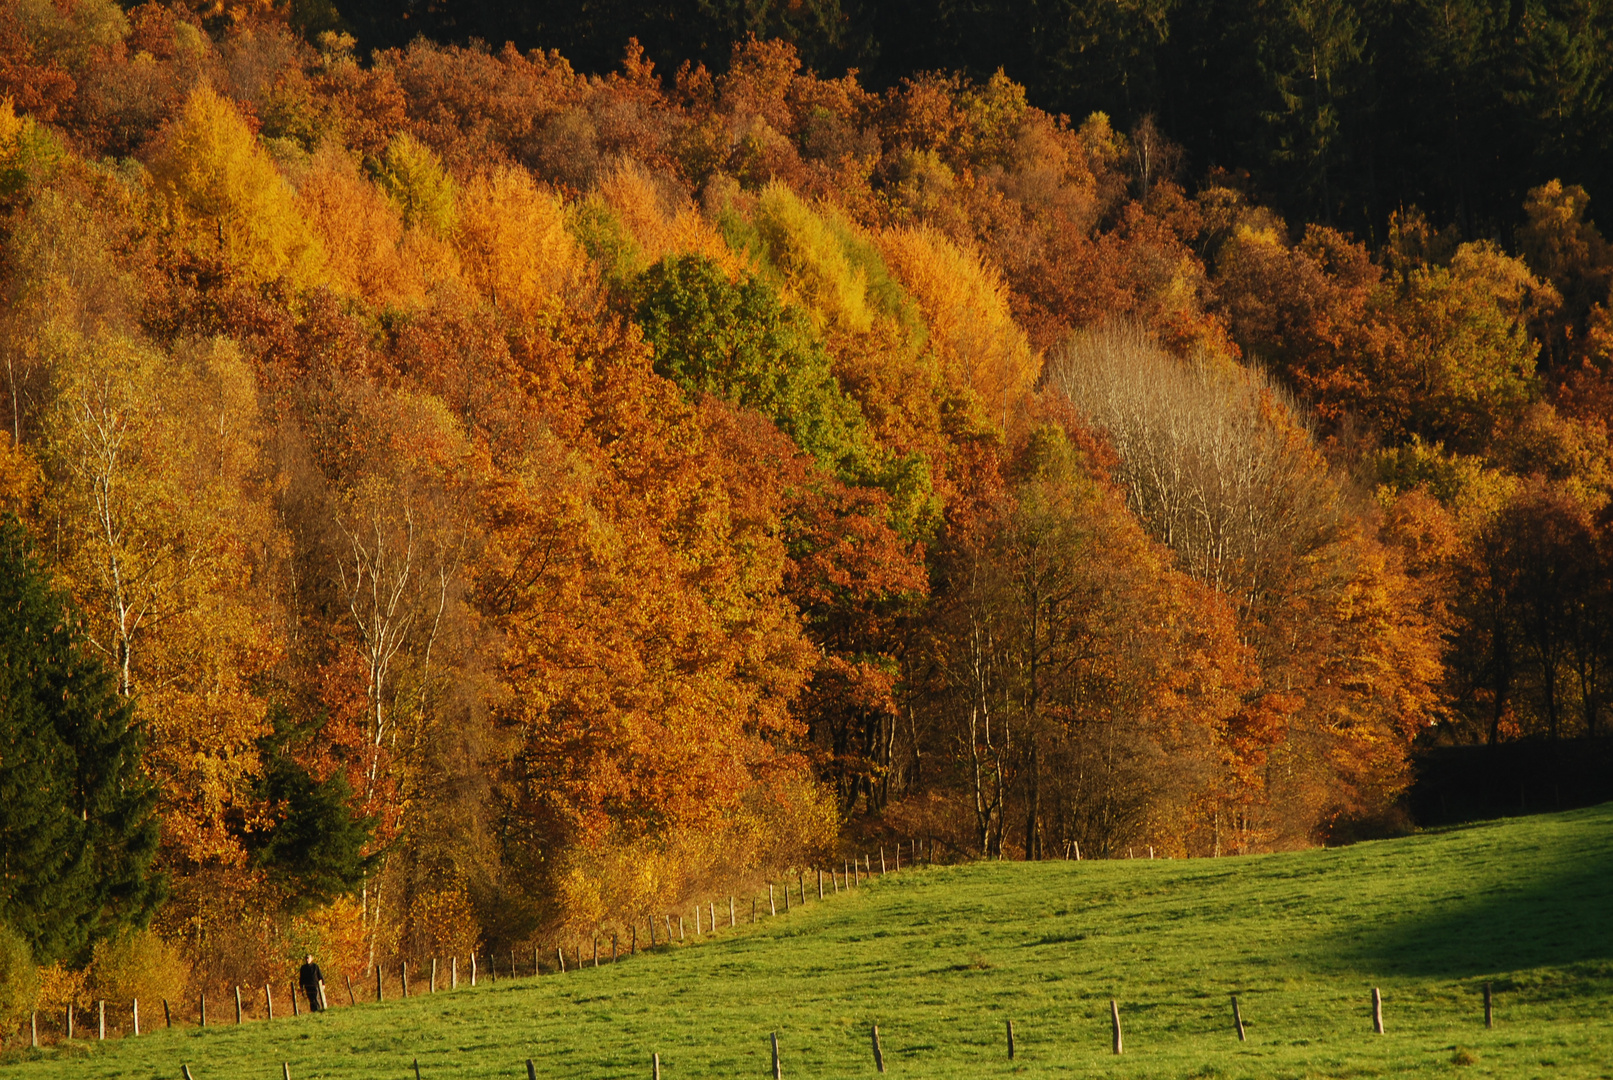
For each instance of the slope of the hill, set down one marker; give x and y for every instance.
(940, 958)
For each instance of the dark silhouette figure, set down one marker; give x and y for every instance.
(313, 983)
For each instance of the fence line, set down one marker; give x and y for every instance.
(917, 855)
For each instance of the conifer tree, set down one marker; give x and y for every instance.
(77, 832)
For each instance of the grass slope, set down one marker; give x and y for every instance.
(939, 958)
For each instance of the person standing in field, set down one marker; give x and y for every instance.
(313, 983)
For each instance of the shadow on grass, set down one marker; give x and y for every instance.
(1553, 912)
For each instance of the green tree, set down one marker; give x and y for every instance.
(738, 341)
(315, 851)
(77, 829)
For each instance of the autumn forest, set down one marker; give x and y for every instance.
(457, 500)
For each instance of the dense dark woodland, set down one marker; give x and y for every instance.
(454, 498)
(1340, 112)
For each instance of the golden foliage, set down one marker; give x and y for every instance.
(442, 922)
(783, 823)
(139, 964)
(160, 524)
(663, 221)
(19, 980)
(413, 176)
(225, 195)
(513, 242)
(965, 305)
(813, 261)
(360, 232)
(19, 477)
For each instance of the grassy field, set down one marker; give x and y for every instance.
(940, 958)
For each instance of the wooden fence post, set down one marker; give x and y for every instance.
(473, 969)
(820, 884)
(632, 941)
(70, 1020)
(668, 919)
(1114, 1015)
(167, 1014)
(377, 982)
(433, 988)
(596, 956)
(1237, 1018)
(778, 1066)
(203, 1012)
(680, 927)
(1010, 1040)
(536, 968)
(285, 1070)
(100, 1010)
(711, 914)
(753, 909)
(772, 908)
(135, 1010)
(655, 1067)
(295, 1009)
(531, 1073)
(237, 1004)
(882, 860)
(352, 998)
(1377, 1011)
(268, 999)
(403, 977)
(786, 896)
(1077, 851)
(730, 911)
(184, 1071)
(879, 1055)
(33, 1029)
(492, 964)
(561, 954)
(1489, 1016)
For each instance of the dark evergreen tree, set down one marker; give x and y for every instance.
(77, 830)
(315, 851)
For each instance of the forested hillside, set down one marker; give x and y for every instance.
(492, 502)
(1339, 111)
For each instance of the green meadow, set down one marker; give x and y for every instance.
(940, 958)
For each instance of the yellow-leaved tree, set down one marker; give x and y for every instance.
(413, 176)
(159, 516)
(225, 196)
(815, 261)
(648, 221)
(359, 230)
(513, 242)
(965, 305)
